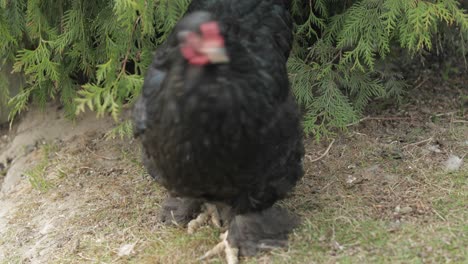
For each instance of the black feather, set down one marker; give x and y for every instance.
(261, 231)
(225, 133)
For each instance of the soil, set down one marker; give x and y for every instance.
(69, 195)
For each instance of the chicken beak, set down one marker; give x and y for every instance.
(216, 55)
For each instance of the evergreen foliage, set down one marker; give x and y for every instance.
(84, 53)
(337, 75)
(94, 54)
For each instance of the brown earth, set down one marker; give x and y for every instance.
(381, 194)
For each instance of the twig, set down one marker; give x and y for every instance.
(379, 118)
(173, 220)
(439, 215)
(99, 156)
(85, 258)
(419, 142)
(390, 118)
(459, 121)
(323, 155)
(421, 83)
(445, 114)
(326, 186)
(359, 121)
(125, 60)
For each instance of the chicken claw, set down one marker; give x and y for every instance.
(232, 253)
(209, 211)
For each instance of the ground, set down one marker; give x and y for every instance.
(384, 191)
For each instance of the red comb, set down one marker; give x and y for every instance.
(211, 33)
(210, 29)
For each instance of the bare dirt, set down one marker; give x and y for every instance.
(20, 152)
(71, 196)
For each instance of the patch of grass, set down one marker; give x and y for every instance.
(37, 178)
(458, 131)
(455, 203)
(448, 68)
(124, 130)
(340, 233)
(326, 240)
(37, 175)
(174, 245)
(12, 260)
(463, 102)
(415, 134)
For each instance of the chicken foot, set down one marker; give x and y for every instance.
(209, 212)
(232, 253)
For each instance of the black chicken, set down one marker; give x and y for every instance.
(217, 120)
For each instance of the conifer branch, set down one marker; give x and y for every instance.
(75, 54)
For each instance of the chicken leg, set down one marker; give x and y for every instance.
(232, 253)
(209, 212)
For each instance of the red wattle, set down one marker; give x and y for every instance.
(193, 57)
(199, 60)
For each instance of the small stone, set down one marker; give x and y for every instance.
(29, 148)
(390, 178)
(116, 196)
(46, 229)
(434, 148)
(426, 110)
(406, 210)
(453, 163)
(351, 179)
(337, 246)
(394, 226)
(126, 250)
